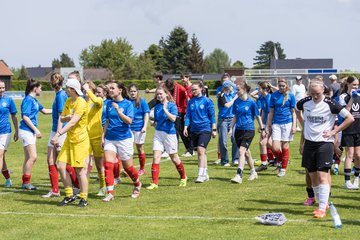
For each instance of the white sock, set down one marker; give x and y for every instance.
(201, 171)
(253, 170)
(324, 190)
(316, 192)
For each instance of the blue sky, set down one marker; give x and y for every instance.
(35, 32)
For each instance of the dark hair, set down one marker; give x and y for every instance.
(349, 80)
(244, 86)
(266, 86)
(158, 75)
(137, 99)
(124, 92)
(170, 84)
(200, 84)
(56, 81)
(30, 85)
(185, 75)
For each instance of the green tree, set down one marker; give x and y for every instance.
(238, 64)
(176, 51)
(216, 61)
(196, 56)
(23, 74)
(64, 61)
(266, 53)
(116, 56)
(155, 53)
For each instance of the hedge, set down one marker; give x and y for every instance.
(20, 85)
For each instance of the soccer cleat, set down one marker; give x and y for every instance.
(152, 186)
(272, 163)
(261, 168)
(356, 183)
(82, 203)
(202, 178)
(109, 197)
(236, 179)
(350, 186)
(51, 194)
(66, 201)
(217, 162)
(117, 181)
(187, 154)
(183, 182)
(8, 183)
(226, 165)
(319, 213)
(281, 173)
(136, 192)
(102, 192)
(253, 176)
(29, 186)
(236, 163)
(141, 172)
(310, 201)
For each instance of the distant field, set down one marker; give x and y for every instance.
(214, 210)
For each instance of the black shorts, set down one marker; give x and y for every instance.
(201, 139)
(317, 156)
(244, 138)
(350, 140)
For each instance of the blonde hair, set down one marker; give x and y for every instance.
(56, 81)
(286, 93)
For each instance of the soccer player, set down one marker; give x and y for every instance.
(7, 107)
(56, 82)
(200, 116)
(139, 124)
(29, 132)
(75, 151)
(316, 146)
(118, 139)
(165, 114)
(245, 111)
(281, 124)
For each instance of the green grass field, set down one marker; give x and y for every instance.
(213, 210)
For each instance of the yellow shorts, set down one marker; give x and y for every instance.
(75, 154)
(95, 148)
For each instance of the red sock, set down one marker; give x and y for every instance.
(270, 154)
(337, 161)
(278, 155)
(26, 178)
(219, 155)
(73, 176)
(142, 160)
(263, 157)
(133, 174)
(285, 158)
(54, 178)
(155, 171)
(6, 173)
(109, 176)
(117, 168)
(181, 170)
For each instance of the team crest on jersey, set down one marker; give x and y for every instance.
(355, 107)
(202, 106)
(3, 104)
(246, 108)
(192, 106)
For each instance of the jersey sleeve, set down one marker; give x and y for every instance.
(292, 100)
(60, 102)
(130, 110)
(222, 99)
(173, 109)
(12, 109)
(26, 107)
(80, 108)
(188, 114)
(144, 106)
(211, 111)
(335, 107)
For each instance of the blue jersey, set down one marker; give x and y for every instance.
(200, 114)
(265, 106)
(7, 107)
(117, 129)
(138, 121)
(162, 121)
(30, 107)
(218, 90)
(225, 112)
(103, 116)
(245, 112)
(282, 112)
(57, 107)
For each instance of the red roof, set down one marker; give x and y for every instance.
(4, 69)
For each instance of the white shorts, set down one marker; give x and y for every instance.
(139, 137)
(4, 141)
(164, 141)
(27, 137)
(124, 148)
(61, 140)
(282, 132)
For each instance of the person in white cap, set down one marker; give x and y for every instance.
(334, 86)
(299, 91)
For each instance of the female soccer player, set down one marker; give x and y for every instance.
(139, 124)
(75, 151)
(200, 115)
(281, 123)
(245, 111)
(317, 145)
(56, 82)
(29, 132)
(7, 107)
(165, 114)
(118, 139)
(95, 130)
